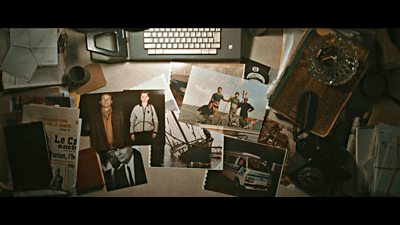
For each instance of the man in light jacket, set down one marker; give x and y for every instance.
(144, 121)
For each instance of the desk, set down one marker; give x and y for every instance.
(189, 182)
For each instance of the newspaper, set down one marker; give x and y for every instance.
(63, 128)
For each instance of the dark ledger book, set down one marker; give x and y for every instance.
(89, 176)
(28, 155)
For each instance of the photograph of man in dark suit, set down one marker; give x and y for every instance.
(108, 137)
(126, 168)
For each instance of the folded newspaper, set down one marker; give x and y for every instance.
(63, 128)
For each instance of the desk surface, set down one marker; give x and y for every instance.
(186, 182)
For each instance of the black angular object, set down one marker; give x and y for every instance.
(255, 71)
(28, 154)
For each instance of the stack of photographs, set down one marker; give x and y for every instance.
(118, 123)
(203, 117)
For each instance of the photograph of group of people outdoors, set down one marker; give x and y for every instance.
(221, 101)
(119, 123)
(208, 112)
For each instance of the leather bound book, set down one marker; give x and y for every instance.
(298, 79)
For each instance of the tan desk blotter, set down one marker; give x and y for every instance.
(96, 81)
(296, 80)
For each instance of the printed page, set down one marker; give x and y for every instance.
(63, 128)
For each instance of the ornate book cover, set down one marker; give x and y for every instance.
(297, 79)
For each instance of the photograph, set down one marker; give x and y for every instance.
(133, 117)
(249, 170)
(116, 121)
(58, 178)
(278, 132)
(122, 167)
(144, 123)
(188, 146)
(231, 105)
(180, 72)
(160, 82)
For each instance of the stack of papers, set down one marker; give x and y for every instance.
(30, 49)
(378, 160)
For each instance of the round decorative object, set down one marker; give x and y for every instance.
(334, 59)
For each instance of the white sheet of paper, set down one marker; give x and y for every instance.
(20, 62)
(44, 45)
(43, 76)
(42, 41)
(46, 56)
(43, 37)
(19, 37)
